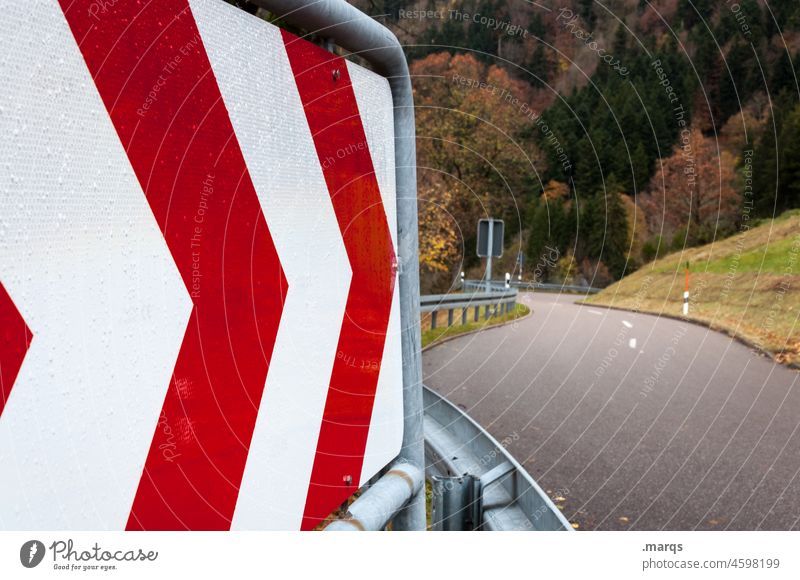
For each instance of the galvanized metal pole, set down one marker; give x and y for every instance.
(376, 506)
(358, 33)
(489, 250)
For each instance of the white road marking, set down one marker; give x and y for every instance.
(627, 324)
(597, 312)
(632, 343)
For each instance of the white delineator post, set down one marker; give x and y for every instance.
(686, 295)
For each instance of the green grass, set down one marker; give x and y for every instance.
(771, 259)
(747, 285)
(438, 334)
(428, 504)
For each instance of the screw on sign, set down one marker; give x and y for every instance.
(169, 296)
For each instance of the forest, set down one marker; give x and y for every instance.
(604, 133)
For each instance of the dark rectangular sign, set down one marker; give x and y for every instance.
(483, 238)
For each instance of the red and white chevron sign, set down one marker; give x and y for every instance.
(198, 298)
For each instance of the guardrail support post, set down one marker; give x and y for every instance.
(463, 316)
(433, 319)
(456, 503)
(450, 317)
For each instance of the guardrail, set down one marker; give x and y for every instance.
(499, 285)
(476, 483)
(499, 301)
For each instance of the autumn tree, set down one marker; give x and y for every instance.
(470, 117)
(693, 192)
(440, 243)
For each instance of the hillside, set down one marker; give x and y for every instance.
(597, 131)
(745, 285)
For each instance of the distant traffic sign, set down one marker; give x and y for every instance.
(198, 278)
(490, 229)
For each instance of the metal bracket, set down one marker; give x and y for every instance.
(458, 501)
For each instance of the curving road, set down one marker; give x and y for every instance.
(632, 421)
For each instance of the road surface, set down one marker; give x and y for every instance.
(632, 421)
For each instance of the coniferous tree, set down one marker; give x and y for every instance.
(784, 75)
(789, 172)
(608, 238)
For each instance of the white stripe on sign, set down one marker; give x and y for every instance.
(385, 436)
(87, 266)
(253, 75)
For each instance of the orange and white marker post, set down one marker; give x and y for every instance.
(686, 292)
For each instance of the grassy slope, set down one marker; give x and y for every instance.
(747, 285)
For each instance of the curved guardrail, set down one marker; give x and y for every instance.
(499, 285)
(476, 483)
(497, 302)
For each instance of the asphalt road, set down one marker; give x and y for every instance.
(632, 421)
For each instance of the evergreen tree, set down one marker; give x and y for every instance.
(540, 66)
(776, 160)
(641, 167)
(539, 234)
(789, 186)
(586, 11)
(608, 237)
(619, 48)
(783, 75)
(588, 177)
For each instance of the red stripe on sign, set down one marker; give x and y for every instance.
(154, 76)
(15, 338)
(332, 113)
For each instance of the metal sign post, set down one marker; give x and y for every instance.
(489, 238)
